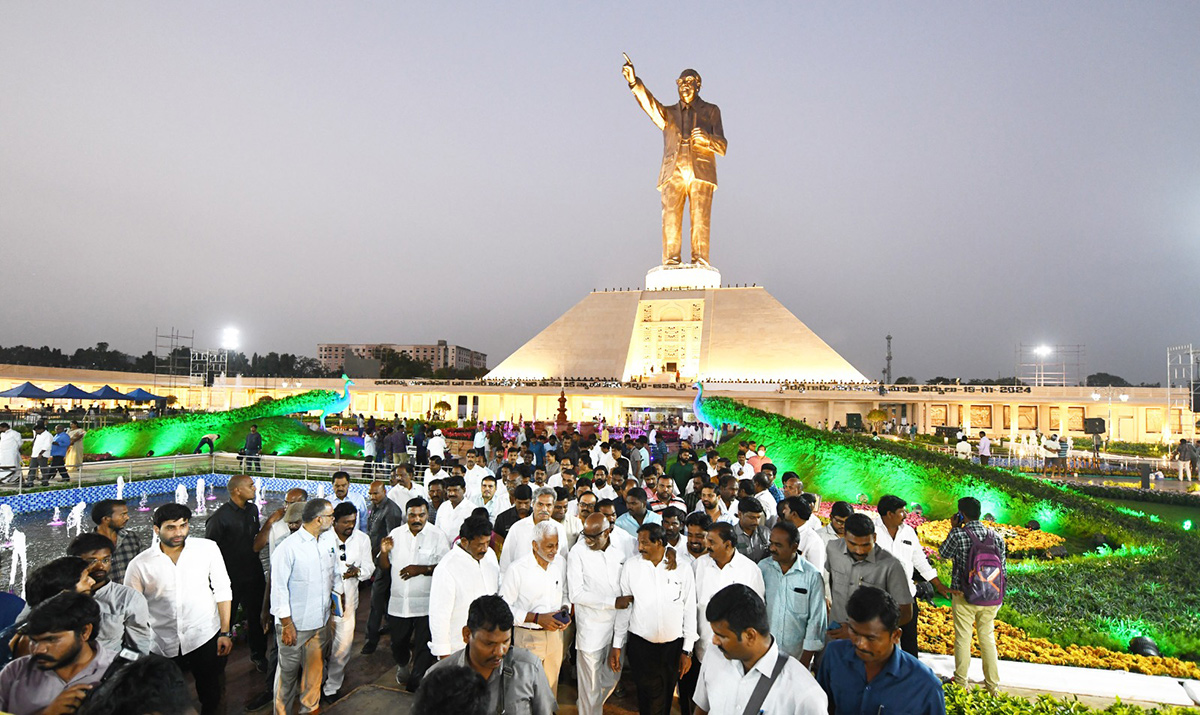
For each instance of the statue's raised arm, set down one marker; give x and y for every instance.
(692, 137)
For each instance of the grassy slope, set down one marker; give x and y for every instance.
(1103, 601)
(282, 435)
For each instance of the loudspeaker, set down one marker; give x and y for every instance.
(854, 420)
(1093, 425)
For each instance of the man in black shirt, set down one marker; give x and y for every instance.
(384, 516)
(233, 527)
(522, 507)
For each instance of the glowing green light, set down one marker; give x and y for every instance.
(1187, 525)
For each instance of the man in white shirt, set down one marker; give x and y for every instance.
(798, 512)
(746, 653)
(355, 564)
(474, 471)
(722, 566)
(302, 577)
(656, 624)
(622, 539)
(434, 471)
(436, 446)
(900, 539)
(468, 571)
(695, 534)
(985, 449)
(402, 488)
(519, 541)
(188, 594)
(571, 523)
(741, 468)
(534, 587)
(491, 498)
(606, 458)
(10, 454)
(39, 454)
(410, 553)
(594, 585)
(343, 495)
(456, 509)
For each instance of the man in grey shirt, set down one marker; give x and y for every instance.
(856, 560)
(753, 538)
(68, 661)
(124, 615)
(512, 673)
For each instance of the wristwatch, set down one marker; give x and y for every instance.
(688, 653)
(228, 635)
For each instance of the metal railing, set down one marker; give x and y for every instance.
(133, 470)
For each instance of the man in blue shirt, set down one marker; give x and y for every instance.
(636, 512)
(868, 673)
(58, 452)
(302, 577)
(795, 595)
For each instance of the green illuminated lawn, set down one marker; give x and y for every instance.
(1150, 588)
(179, 434)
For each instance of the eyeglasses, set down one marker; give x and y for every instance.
(591, 537)
(342, 549)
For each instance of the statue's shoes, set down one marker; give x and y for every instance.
(700, 262)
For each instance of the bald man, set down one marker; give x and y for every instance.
(275, 529)
(594, 586)
(234, 527)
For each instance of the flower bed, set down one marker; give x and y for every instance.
(1017, 539)
(935, 634)
(979, 701)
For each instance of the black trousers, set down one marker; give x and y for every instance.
(410, 636)
(655, 668)
(908, 633)
(58, 465)
(248, 592)
(208, 669)
(381, 593)
(203, 442)
(687, 686)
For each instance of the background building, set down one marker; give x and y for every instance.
(438, 355)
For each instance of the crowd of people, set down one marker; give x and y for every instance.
(703, 579)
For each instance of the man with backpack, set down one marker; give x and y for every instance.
(977, 585)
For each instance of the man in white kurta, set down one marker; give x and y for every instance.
(355, 565)
(594, 585)
(535, 589)
(411, 553)
(469, 570)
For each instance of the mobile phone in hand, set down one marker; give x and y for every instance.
(563, 617)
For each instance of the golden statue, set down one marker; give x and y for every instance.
(692, 136)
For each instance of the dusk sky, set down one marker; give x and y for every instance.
(964, 176)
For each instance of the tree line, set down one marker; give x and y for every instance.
(102, 357)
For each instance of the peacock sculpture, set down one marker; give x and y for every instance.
(698, 408)
(340, 403)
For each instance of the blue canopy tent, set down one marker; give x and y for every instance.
(140, 395)
(71, 392)
(29, 391)
(108, 393)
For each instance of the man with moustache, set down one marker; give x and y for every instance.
(384, 516)
(409, 554)
(750, 658)
(594, 586)
(65, 660)
(302, 578)
(188, 593)
(355, 563)
(124, 616)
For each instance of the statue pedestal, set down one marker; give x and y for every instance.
(682, 276)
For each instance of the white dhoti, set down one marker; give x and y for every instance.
(596, 680)
(341, 639)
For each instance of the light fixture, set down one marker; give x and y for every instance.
(1124, 398)
(229, 338)
(1042, 350)
(1096, 396)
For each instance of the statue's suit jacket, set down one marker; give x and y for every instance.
(670, 121)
